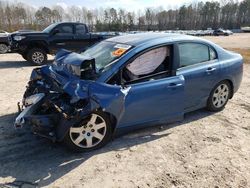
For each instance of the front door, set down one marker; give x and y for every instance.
(62, 37)
(154, 101)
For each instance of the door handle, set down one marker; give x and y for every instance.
(173, 85)
(61, 44)
(210, 69)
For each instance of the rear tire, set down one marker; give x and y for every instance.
(94, 132)
(37, 56)
(219, 96)
(3, 48)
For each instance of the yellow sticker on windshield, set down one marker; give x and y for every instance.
(119, 52)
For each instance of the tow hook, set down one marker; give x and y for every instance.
(19, 107)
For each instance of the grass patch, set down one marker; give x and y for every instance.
(244, 52)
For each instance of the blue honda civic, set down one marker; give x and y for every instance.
(124, 83)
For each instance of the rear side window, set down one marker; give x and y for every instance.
(80, 29)
(193, 53)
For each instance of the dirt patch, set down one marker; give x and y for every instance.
(237, 40)
(244, 52)
(204, 150)
(239, 43)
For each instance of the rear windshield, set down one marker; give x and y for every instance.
(105, 53)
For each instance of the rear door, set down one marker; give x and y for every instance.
(201, 69)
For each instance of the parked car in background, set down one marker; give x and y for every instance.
(4, 42)
(125, 83)
(34, 46)
(219, 32)
(245, 29)
(3, 33)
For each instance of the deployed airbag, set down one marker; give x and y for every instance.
(148, 62)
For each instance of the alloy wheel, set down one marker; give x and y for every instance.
(90, 133)
(37, 57)
(220, 95)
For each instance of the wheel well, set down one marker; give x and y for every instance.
(37, 45)
(232, 87)
(113, 120)
(4, 43)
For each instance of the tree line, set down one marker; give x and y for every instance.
(227, 14)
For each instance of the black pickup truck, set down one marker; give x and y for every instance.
(34, 46)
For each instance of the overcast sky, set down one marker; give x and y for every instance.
(126, 4)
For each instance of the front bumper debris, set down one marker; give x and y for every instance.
(32, 103)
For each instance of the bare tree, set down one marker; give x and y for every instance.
(200, 15)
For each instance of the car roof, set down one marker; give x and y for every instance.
(138, 39)
(70, 23)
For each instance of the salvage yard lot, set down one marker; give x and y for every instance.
(205, 150)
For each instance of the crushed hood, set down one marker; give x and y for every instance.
(74, 64)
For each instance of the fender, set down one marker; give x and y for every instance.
(100, 96)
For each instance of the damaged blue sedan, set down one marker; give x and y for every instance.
(125, 83)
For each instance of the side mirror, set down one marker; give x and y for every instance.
(120, 80)
(55, 31)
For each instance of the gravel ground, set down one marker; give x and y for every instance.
(204, 150)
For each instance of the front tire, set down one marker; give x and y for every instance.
(219, 96)
(37, 56)
(94, 132)
(3, 48)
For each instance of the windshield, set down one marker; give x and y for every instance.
(105, 53)
(49, 28)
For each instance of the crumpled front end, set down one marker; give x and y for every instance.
(54, 102)
(51, 106)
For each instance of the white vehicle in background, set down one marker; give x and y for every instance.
(3, 33)
(229, 32)
(245, 29)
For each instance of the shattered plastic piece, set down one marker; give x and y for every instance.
(125, 90)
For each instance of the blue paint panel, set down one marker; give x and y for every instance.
(199, 82)
(154, 101)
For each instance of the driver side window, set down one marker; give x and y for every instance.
(64, 30)
(150, 65)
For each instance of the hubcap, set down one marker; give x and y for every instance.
(220, 95)
(89, 134)
(3, 48)
(38, 57)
